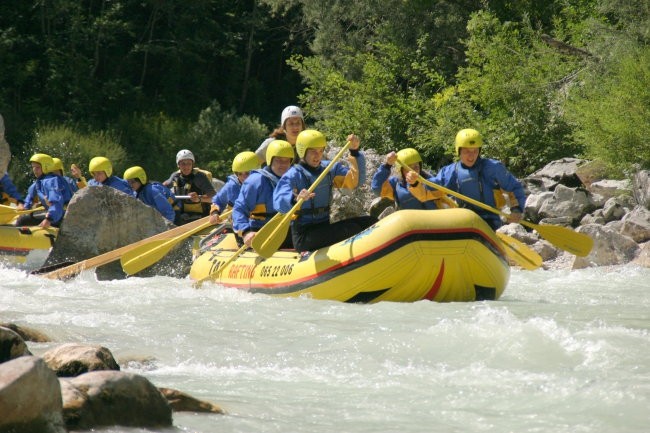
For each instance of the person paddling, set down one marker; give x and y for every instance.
(312, 229)
(194, 182)
(481, 179)
(101, 170)
(397, 189)
(153, 194)
(52, 191)
(254, 205)
(242, 165)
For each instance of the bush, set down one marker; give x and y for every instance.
(218, 136)
(72, 147)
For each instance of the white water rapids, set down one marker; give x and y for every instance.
(561, 351)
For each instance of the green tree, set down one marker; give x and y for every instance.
(219, 135)
(611, 112)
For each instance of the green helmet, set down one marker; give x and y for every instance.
(309, 139)
(100, 163)
(470, 138)
(280, 148)
(409, 156)
(136, 172)
(245, 161)
(45, 160)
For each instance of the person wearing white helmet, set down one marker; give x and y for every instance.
(194, 182)
(481, 179)
(292, 123)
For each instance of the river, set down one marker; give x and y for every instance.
(561, 351)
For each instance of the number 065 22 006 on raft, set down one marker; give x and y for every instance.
(444, 255)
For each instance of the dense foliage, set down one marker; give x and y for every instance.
(138, 80)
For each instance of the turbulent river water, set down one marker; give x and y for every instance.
(561, 351)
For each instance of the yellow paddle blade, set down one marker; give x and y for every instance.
(143, 256)
(7, 218)
(520, 253)
(8, 213)
(270, 237)
(565, 238)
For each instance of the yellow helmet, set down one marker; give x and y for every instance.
(136, 172)
(45, 160)
(470, 138)
(280, 148)
(57, 164)
(409, 156)
(101, 163)
(245, 161)
(309, 139)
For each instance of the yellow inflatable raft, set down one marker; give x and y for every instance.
(443, 255)
(25, 247)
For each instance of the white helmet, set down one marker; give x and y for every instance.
(184, 154)
(291, 111)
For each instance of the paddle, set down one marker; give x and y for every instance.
(520, 253)
(111, 256)
(564, 238)
(269, 238)
(8, 213)
(221, 267)
(145, 255)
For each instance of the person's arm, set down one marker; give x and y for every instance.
(284, 195)
(161, 203)
(509, 183)
(53, 188)
(11, 190)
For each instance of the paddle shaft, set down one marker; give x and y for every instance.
(279, 224)
(111, 256)
(520, 253)
(221, 267)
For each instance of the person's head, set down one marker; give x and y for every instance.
(293, 122)
(185, 161)
(310, 145)
(136, 177)
(468, 145)
(279, 156)
(243, 163)
(41, 164)
(100, 168)
(411, 158)
(57, 167)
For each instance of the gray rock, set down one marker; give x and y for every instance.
(610, 247)
(641, 188)
(12, 345)
(72, 359)
(30, 397)
(101, 219)
(103, 398)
